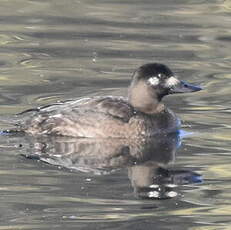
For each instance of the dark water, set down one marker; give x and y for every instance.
(54, 50)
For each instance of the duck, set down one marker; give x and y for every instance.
(140, 114)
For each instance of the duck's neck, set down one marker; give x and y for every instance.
(142, 98)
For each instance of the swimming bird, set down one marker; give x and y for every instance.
(140, 114)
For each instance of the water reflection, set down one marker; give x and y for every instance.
(149, 160)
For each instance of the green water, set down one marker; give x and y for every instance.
(55, 50)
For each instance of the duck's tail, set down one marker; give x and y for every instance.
(9, 125)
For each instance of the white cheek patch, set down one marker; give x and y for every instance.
(172, 81)
(153, 81)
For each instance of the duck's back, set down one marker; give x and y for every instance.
(88, 117)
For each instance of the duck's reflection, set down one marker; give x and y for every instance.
(147, 160)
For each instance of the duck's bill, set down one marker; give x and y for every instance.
(184, 87)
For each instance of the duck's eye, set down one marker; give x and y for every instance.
(159, 75)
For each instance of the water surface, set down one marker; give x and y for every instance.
(55, 50)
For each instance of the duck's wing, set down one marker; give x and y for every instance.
(117, 107)
(95, 117)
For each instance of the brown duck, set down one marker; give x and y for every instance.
(140, 114)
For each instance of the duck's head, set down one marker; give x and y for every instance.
(151, 82)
